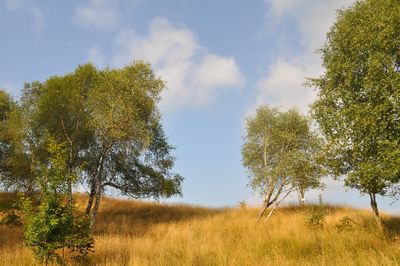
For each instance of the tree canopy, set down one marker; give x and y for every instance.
(110, 123)
(281, 153)
(358, 104)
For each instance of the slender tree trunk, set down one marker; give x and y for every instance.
(70, 167)
(277, 202)
(374, 207)
(95, 191)
(69, 193)
(96, 205)
(270, 213)
(30, 188)
(264, 208)
(92, 193)
(301, 194)
(303, 198)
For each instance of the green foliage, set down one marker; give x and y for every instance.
(52, 227)
(358, 101)
(11, 219)
(15, 167)
(346, 224)
(109, 123)
(242, 205)
(315, 218)
(281, 153)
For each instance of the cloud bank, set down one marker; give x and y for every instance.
(98, 14)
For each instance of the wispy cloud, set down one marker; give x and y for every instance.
(96, 56)
(193, 75)
(30, 7)
(15, 4)
(98, 14)
(279, 7)
(102, 15)
(282, 85)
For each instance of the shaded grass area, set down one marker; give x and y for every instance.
(7, 200)
(143, 233)
(392, 226)
(135, 218)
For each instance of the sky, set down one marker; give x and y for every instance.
(220, 60)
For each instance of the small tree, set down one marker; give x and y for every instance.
(358, 102)
(280, 153)
(52, 227)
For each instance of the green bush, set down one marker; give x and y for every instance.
(11, 219)
(346, 224)
(242, 205)
(52, 230)
(315, 218)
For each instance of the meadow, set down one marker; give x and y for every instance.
(142, 233)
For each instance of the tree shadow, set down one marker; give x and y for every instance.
(135, 218)
(392, 226)
(116, 216)
(10, 236)
(7, 200)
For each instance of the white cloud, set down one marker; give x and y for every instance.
(193, 75)
(279, 7)
(214, 71)
(98, 14)
(96, 57)
(316, 19)
(29, 6)
(282, 85)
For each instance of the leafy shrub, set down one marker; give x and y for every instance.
(346, 224)
(315, 218)
(51, 228)
(11, 219)
(242, 205)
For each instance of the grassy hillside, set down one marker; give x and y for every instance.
(138, 233)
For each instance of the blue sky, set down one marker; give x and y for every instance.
(220, 59)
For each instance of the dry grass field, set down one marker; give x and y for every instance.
(139, 233)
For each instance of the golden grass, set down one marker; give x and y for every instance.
(139, 233)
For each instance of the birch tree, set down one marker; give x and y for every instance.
(358, 102)
(279, 153)
(111, 126)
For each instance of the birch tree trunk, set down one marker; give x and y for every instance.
(301, 195)
(264, 208)
(374, 206)
(96, 205)
(90, 200)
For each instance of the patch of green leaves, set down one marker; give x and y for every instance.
(11, 219)
(346, 224)
(52, 230)
(316, 215)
